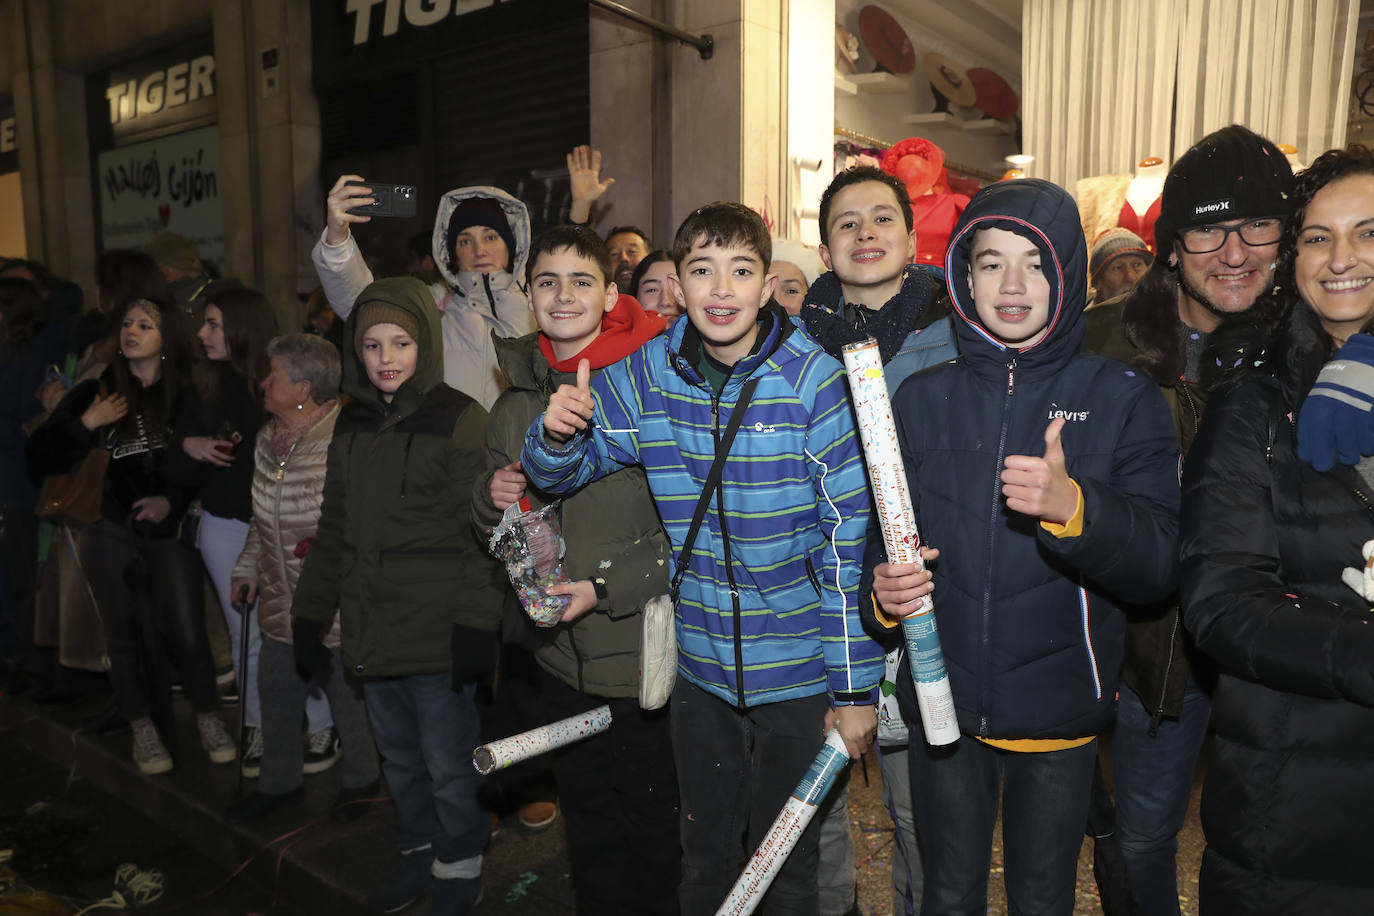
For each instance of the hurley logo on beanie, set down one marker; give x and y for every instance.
(1232, 173)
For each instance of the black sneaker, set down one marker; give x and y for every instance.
(321, 750)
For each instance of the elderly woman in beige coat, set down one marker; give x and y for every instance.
(301, 395)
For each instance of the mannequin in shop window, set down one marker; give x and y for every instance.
(1128, 200)
(1141, 207)
(1290, 152)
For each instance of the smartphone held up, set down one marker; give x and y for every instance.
(388, 200)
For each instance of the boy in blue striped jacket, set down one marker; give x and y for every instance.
(770, 648)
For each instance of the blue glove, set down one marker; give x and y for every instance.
(1336, 422)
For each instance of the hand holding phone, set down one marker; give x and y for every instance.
(348, 192)
(388, 199)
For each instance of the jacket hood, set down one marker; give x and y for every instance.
(517, 215)
(1044, 213)
(414, 297)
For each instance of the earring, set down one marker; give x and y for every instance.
(300, 407)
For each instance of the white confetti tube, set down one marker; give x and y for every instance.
(498, 755)
(787, 828)
(892, 503)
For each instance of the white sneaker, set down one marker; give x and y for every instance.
(214, 737)
(321, 750)
(149, 753)
(252, 753)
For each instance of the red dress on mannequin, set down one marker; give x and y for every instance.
(1143, 226)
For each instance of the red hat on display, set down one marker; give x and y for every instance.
(886, 40)
(995, 96)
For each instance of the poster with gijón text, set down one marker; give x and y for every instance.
(171, 183)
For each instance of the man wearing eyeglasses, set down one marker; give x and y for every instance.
(1217, 238)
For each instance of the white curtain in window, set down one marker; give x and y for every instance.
(1109, 82)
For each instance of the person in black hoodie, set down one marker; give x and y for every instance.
(1266, 539)
(1048, 477)
(146, 583)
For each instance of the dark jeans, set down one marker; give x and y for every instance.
(151, 600)
(735, 772)
(1154, 779)
(619, 795)
(426, 732)
(1044, 812)
(283, 706)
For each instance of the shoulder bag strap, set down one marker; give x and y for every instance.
(712, 482)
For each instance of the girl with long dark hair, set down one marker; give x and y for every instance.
(146, 583)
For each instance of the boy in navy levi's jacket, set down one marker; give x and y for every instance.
(1049, 478)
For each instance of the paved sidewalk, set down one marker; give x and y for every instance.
(327, 868)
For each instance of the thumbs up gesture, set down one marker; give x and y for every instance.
(570, 407)
(1041, 487)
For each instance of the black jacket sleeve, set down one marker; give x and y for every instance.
(59, 444)
(1237, 601)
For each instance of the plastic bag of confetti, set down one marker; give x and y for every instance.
(530, 543)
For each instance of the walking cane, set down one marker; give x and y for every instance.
(243, 608)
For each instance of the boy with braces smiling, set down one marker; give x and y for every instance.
(769, 637)
(1043, 529)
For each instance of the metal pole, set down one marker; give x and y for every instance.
(705, 44)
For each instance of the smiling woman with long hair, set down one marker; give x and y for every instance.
(1289, 792)
(146, 583)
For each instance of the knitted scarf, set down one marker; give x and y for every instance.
(889, 325)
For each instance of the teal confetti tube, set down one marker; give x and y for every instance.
(787, 828)
(892, 503)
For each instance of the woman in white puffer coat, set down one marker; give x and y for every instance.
(481, 239)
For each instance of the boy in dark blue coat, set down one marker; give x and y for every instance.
(1049, 479)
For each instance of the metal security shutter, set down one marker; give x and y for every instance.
(382, 113)
(508, 110)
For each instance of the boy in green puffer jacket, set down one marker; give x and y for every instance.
(419, 600)
(617, 789)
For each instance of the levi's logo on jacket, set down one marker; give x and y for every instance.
(1057, 414)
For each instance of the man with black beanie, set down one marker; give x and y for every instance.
(1217, 238)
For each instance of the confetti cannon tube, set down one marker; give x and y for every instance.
(787, 828)
(892, 503)
(498, 755)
